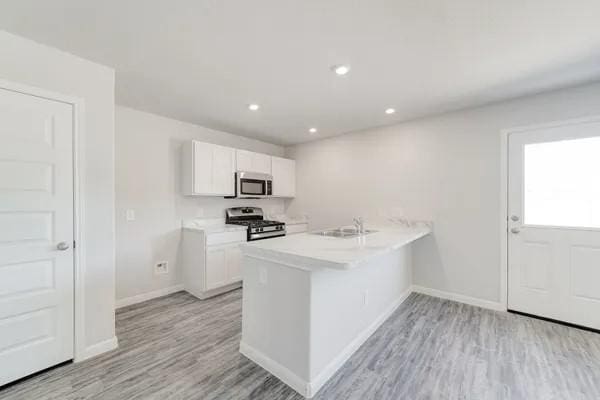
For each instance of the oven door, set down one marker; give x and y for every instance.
(253, 185)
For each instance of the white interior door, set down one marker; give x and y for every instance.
(554, 223)
(36, 234)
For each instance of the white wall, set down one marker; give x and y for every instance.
(29, 63)
(444, 168)
(147, 171)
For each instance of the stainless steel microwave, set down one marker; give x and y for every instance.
(253, 185)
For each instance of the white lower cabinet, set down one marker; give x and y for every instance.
(216, 268)
(223, 265)
(212, 263)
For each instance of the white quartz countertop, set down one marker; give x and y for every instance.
(209, 226)
(308, 250)
(288, 219)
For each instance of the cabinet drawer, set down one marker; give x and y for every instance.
(225, 237)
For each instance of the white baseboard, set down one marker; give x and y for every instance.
(127, 301)
(98, 348)
(273, 367)
(310, 388)
(473, 301)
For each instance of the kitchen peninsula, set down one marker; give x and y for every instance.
(311, 300)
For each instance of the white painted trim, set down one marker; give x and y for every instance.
(99, 348)
(504, 135)
(207, 294)
(79, 261)
(276, 369)
(473, 301)
(504, 218)
(315, 384)
(552, 124)
(127, 301)
(310, 388)
(78, 230)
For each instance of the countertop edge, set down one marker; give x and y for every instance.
(306, 262)
(215, 229)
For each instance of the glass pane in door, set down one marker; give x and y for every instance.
(562, 183)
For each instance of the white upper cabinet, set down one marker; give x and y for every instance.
(208, 169)
(253, 162)
(223, 173)
(284, 177)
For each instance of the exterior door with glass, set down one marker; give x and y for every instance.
(554, 223)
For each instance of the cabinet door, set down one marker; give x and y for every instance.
(261, 163)
(284, 177)
(223, 169)
(233, 256)
(243, 160)
(216, 268)
(252, 162)
(203, 167)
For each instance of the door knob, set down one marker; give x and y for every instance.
(514, 218)
(62, 246)
(515, 230)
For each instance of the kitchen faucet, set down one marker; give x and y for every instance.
(359, 224)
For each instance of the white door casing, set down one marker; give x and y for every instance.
(36, 214)
(554, 267)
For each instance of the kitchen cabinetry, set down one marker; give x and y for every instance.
(207, 169)
(284, 177)
(253, 162)
(223, 265)
(212, 261)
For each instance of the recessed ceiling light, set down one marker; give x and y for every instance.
(341, 69)
(253, 107)
(390, 111)
(313, 130)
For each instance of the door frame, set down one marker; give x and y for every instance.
(504, 135)
(78, 107)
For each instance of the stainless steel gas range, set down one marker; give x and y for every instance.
(258, 227)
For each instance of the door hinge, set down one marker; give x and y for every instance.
(74, 244)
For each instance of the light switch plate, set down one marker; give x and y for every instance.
(130, 215)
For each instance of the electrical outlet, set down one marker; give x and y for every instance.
(161, 267)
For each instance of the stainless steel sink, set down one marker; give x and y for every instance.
(344, 233)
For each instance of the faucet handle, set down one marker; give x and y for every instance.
(358, 222)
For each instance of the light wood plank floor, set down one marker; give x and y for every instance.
(178, 347)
